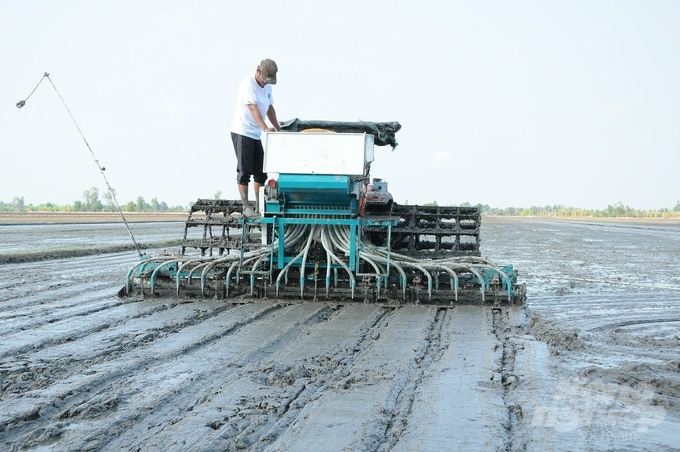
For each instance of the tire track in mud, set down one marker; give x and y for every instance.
(36, 421)
(458, 399)
(22, 282)
(406, 396)
(58, 315)
(153, 393)
(335, 373)
(297, 385)
(103, 315)
(63, 290)
(140, 394)
(44, 312)
(49, 364)
(514, 426)
(230, 417)
(356, 408)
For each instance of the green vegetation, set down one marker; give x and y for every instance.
(618, 210)
(91, 203)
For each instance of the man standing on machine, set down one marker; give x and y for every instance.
(254, 103)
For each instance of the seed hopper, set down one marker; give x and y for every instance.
(328, 232)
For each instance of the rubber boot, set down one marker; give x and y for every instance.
(247, 210)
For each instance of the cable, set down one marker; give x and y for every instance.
(21, 103)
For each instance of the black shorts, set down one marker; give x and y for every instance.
(249, 158)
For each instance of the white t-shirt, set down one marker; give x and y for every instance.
(249, 92)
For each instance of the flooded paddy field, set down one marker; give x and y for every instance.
(592, 362)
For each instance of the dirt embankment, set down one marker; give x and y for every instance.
(44, 255)
(87, 217)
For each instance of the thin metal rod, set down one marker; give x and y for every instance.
(96, 161)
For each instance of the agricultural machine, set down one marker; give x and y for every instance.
(327, 232)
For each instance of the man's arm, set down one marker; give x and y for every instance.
(258, 118)
(271, 114)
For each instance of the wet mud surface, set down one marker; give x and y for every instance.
(592, 362)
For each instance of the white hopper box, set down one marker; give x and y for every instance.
(318, 153)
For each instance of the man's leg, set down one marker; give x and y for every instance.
(244, 150)
(259, 177)
(258, 207)
(243, 192)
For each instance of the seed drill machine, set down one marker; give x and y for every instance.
(326, 231)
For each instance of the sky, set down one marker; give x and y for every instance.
(520, 103)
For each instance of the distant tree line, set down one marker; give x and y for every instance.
(618, 210)
(91, 203)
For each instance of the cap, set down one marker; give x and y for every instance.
(268, 70)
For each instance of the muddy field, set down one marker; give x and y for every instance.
(591, 363)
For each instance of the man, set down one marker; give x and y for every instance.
(254, 103)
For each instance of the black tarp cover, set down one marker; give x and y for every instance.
(384, 132)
